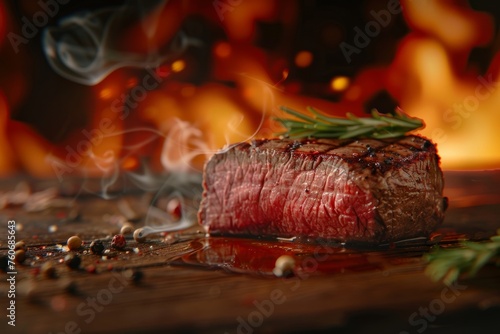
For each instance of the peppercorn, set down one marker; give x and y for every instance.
(137, 276)
(97, 247)
(127, 228)
(134, 275)
(118, 241)
(73, 261)
(74, 242)
(48, 270)
(20, 256)
(138, 235)
(91, 269)
(284, 266)
(20, 245)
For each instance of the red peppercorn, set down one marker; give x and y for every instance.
(118, 241)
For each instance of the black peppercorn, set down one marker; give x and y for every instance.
(72, 260)
(97, 247)
(137, 276)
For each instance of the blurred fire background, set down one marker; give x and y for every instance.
(93, 87)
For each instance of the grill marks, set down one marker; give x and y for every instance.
(361, 147)
(368, 153)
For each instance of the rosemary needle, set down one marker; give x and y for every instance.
(319, 125)
(448, 264)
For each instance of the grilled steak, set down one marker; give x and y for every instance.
(365, 190)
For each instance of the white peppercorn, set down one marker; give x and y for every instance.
(74, 242)
(284, 265)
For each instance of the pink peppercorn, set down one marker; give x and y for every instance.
(118, 241)
(91, 269)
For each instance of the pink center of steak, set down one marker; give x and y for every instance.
(296, 202)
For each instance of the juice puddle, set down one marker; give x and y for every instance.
(258, 256)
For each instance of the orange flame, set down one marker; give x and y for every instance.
(177, 124)
(429, 77)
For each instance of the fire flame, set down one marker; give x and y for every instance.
(160, 116)
(430, 79)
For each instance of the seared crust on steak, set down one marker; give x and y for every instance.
(364, 190)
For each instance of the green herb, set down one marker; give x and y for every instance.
(448, 264)
(319, 125)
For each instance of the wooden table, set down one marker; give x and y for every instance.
(194, 284)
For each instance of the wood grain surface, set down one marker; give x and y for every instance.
(197, 284)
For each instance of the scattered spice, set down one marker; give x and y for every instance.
(91, 269)
(284, 266)
(138, 235)
(74, 242)
(20, 245)
(137, 276)
(72, 260)
(97, 247)
(127, 228)
(118, 241)
(134, 275)
(20, 256)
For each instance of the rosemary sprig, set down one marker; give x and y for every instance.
(319, 125)
(448, 264)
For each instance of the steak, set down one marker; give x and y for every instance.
(353, 191)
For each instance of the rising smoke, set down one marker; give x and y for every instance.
(83, 47)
